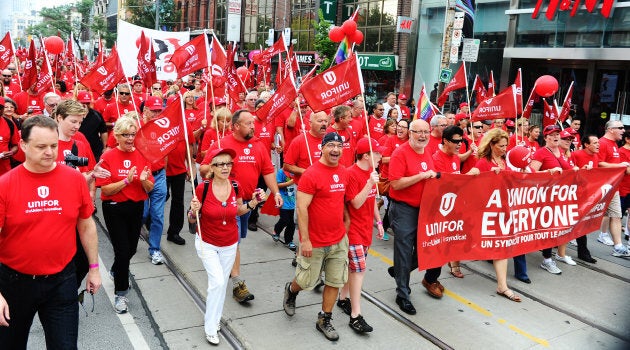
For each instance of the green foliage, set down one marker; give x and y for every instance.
(142, 13)
(323, 45)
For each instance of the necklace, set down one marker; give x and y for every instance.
(222, 193)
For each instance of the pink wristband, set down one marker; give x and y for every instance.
(126, 181)
(93, 266)
(379, 222)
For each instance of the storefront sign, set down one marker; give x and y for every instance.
(555, 5)
(234, 20)
(348, 9)
(329, 10)
(404, 24)
(377, 62)
(305, 58)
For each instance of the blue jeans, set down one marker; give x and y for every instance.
(241, 222)
(520, 267)
(53, 298)
(403, 219)
(154, 211)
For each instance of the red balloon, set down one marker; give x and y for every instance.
(242, 73)
(54, 45)
(336, 34)
(357, 37)
(520, 157)
(349, 26)
(546, 86)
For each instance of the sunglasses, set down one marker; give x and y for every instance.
(124, 93)
(156, 88)
(82, 300)
(456, 141)
(7, 76)
(477, 126)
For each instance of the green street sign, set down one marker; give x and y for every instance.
(377, 62)
(329, 10)
(445, 75)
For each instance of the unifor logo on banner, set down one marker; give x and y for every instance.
(102, 70)
(330, 78)
(163, 123)
(447, 203)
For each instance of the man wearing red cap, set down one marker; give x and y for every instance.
(138, 94)
(464, 108)
(402, 106)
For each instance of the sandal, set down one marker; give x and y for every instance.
(455, 271)
(510, 295)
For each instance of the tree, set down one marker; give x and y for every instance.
(142, 13)
(323, 45)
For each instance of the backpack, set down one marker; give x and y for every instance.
(206, 185)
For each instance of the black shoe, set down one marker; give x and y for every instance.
(345, 305)
(405, 305)
(390, 271)
(359, 325)
(294, 262)
(252, 226)
(288, 301)
(524, 280)
(325, 326)
(588, 258)
(177, 239)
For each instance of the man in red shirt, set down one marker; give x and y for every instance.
(377, 122)
(119, 107)
(342, 117)
(10, 88)
(409, 166)
(103, 101)
(252, 160)
(609, 158)
(402, 105)
(358, 118)
(29, 102)
(305, 149)
(41, 206)
(438, 123)
(138, 95)
(322, 227)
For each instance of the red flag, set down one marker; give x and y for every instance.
(491, 86)
(334, 86)
(191, 57)
(6, 51)
(250, 83)
(44, 78)
(30, 68)
(70, 49)
(268, 53)
(285, 94)
(158, 137)
(550, 115)
(218, 58)
(566, 106)
(519, 92)
(292, 57)
(502, 105)
(458, 82)
(234, 85)
(279, 76)
(310, 74)
(527, 110)
(481, 91)
(105, 76)
(146, 61)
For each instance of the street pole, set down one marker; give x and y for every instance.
(449, 15)
(157, 14)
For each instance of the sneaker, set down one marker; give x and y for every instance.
(323, 325)
(345, 305)
(241, 293)
(551, 267)
(359, 325)
(573, 242)
(604, 237)
(276, 237)
(157, 258)
(120, 304)
(621, 252)
(213, 339)
(385, 236)
(288, 302)
(294, 262)
(291, 246)
(565, 259)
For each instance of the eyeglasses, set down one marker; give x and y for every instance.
(7, 76)
(420, 132)
(51, 105)
(128, 135)
(456, 141)
(124, 93)
(223, 165)
(618, 127)
(82, 299)
(402, 126)
(477, 126)
(442, 126)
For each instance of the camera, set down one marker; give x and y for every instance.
(75, 161)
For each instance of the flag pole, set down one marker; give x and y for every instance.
(467, 92)
(16, 62)
(308, 150)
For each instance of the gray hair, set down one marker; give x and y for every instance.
(436, 119)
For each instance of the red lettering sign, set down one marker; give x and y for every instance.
(563, 5)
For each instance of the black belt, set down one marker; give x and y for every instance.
(19, 275)
(403, 203)
(156, 172)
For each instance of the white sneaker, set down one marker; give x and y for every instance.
(120, 304)
(551, 267)
(604, 237)
(565, 259)
(213, 339)
(573, 242)
(622, 252)
(157, 258)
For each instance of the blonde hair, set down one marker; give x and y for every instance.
(222, 112)
(190, 94)
(125, 123)
(490, 139)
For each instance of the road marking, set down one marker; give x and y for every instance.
(126, 319)
(469, 303)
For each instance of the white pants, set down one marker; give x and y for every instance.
(218, 263)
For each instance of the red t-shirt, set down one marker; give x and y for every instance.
(434, 144)
(101, 103)
(377, 127)
(116, 109)
(624, 187)
(291, 132)
(328, 187)
(581, 158)
(38, 217)
(195, 116)
(298, 155)
(391, 143)
(349, 145)
(138, 98)
(485, 165)
(252, 160)
(83, 150)
(214, 215)
(549, 160)
(177, 158)
(118, 163)
(210, 136)
(406, 162)
(264, 133)
(360, 219)
(6, 140)
(404, 112)
(445, 163)
(608, 151)
(11, 90)
(358, 127)
(470, 162)
(24, 101)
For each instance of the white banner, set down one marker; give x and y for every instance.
(164, 44)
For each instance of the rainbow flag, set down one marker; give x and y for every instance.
(425, 111)
(344, 50)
